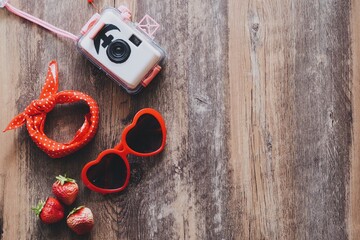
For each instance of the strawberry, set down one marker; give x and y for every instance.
(80, 220)
(50, 211)
(65, 189)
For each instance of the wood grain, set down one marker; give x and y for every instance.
(262, 112)
(353, 190)
(291, 118)
(13, 195)
(262, 119)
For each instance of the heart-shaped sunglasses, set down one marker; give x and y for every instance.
(110, 171)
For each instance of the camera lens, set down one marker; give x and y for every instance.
(118, 51)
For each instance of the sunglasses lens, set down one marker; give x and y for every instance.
(109, 173)
(146, 136)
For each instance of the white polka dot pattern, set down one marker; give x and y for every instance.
(35, 114)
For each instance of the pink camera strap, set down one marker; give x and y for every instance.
(147, 24)
(34, 117)
(46, 25)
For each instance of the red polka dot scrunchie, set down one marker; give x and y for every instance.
(34, 116)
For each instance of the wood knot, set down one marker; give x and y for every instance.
(255, 27)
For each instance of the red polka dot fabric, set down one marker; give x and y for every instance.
(34, 117)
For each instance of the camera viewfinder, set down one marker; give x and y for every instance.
(135, 40)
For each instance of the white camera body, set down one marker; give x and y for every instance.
(121, 49)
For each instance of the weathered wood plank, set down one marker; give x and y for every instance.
(12, 201)
(184, 194)
(290, 118)
(34, 171)
(323, 126)
(353, 189)
(261, 71)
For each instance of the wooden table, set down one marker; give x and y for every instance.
(261, 104)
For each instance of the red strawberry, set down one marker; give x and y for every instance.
(49, 212)
(80, 220)
(65, 189)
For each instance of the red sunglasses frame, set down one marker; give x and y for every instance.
(122, 150)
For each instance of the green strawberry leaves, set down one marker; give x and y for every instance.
(63, 179)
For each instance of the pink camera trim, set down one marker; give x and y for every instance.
(151, 76)
(125, 13)
(90, 23)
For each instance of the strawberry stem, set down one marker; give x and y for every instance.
(63, 179)
(38, 208)
(75, 210)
